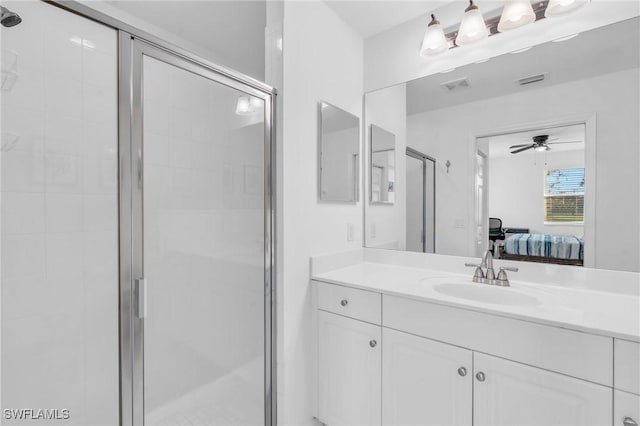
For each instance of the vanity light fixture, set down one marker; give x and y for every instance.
(560, 7)
(434, 41)
(472, 28)
(243, 106)
(247, 105)
(516, 14)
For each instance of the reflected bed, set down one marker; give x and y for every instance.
(544, 248)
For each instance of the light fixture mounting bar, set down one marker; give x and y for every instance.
(539, 8)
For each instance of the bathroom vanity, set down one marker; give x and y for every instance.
(398, 345)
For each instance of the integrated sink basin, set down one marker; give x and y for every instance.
(483, 293)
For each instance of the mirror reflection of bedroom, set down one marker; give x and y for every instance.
(531, 195)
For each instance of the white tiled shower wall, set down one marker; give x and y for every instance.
(59, 216)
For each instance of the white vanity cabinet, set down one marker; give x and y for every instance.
(626, 396)
(349, 356)
(507, 393)
(349, 377)
(433, 364)
(425, 382)
(626, 409)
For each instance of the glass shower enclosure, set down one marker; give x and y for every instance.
(169, 157)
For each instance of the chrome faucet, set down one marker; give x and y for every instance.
(485, 274)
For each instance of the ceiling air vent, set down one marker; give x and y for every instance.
(453, 85)
(532, 79)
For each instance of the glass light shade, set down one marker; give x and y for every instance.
(243, 106)
(542, 148)
(434, 41)
(560, 7)
(472, 28)
(516, 14)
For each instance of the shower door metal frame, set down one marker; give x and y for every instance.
(132, 52)
(413, 153)
(131, 42)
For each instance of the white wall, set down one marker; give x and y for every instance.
(385, 224)
(516, 189)
(611, 98)
(393, 56)
(322, 61)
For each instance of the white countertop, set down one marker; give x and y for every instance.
(598, 312)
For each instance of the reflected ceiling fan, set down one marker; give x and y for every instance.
(539, 143)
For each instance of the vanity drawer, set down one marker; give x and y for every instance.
(626, 409)
(581, 355)
(627, 366)
(350, 302)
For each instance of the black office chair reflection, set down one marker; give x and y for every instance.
(495, 232)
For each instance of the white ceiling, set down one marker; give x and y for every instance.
(499, 145)
(604, 50)
(370, 17)
(231, 31)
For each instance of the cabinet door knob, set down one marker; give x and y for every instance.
(480, 376)
(462, 371)
(344, 302)
(373, 343)
(628, 421)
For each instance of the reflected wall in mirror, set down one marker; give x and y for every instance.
(383, 165)
(338, 154)
(520, 132)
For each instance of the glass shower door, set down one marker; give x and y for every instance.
(203, 338)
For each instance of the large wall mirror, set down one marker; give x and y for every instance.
(534, 155)
(382, 165)
(338, 154)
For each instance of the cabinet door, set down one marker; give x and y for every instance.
(626, 409)
(508, 393)
(425, 382)
(349, 371)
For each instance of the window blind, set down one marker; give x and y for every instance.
(564, 195)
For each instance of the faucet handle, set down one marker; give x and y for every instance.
(502, 275)
(478, 274)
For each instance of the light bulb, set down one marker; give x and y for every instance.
(434, 41)
(243, 106)
(472, 27)
(515, 14)
(560, 7)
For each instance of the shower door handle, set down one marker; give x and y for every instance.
(141, 297)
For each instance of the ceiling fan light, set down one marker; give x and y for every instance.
(542, 148)
(472, 27)
(561, 7)
(516, 14)
(434, 41)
